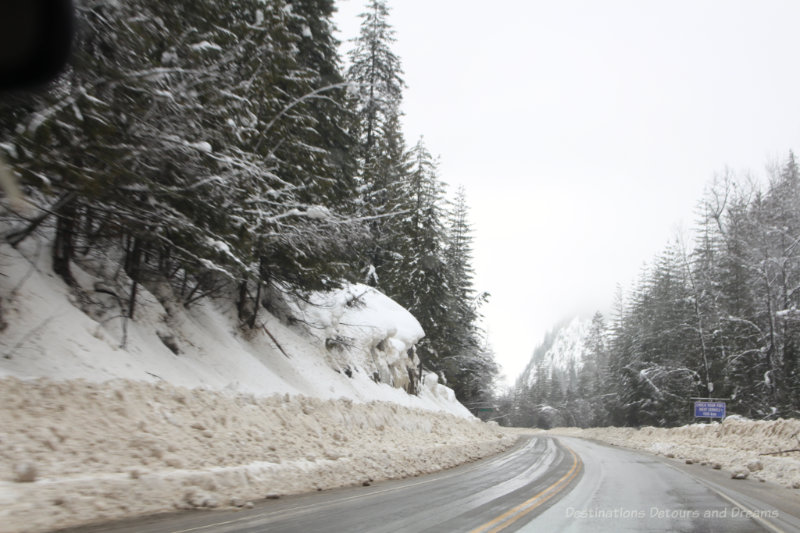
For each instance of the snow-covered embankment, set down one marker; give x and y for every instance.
(193, 411)
(736, 445)
(121, 448)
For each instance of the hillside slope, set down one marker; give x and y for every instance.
(104, 418)
(49, 336)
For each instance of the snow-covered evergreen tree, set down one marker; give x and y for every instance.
(190, 135)
(716, 320)
(217, 147)
(473, 369)
(417, 275)
(377, 86)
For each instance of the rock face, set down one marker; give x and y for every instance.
(363, 330)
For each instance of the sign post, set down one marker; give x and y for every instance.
(704, 408)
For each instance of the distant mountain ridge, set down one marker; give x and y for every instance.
(563, 346)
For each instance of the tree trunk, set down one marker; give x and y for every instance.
(256, 306)
(164, 261)
(133, 261)
(17, 236)
(257, 302)
(63, 245)
(88, 233)
(241, 302)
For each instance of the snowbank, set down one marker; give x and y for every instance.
(735, 445)
(104, 418)
(76, 451)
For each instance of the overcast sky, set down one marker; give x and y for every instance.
(586, 131)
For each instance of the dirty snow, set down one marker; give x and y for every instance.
(735, 445)
(105, 418)
(121, 448)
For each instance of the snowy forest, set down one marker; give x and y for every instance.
(715, 315)
(223, 148)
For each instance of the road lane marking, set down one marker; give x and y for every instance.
(753, 515)
(750, 513)
(515, 513)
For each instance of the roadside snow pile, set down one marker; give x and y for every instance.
(103, 417)
(735, 445)
(74, 452)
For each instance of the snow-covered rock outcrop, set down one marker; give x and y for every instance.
(365, 331)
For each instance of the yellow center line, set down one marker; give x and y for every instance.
(514, 514)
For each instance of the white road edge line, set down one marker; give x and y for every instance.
(750, 513)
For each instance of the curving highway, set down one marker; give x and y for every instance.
(622, 490)
(541, 484)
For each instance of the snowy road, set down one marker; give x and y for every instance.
(541, 484)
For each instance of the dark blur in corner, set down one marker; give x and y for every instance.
(35, 41)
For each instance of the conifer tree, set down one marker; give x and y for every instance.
(186, 135)
(474, 370)
(375, 75)
(417, 275)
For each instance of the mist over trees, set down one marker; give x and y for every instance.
(220, 148)
(715, 316)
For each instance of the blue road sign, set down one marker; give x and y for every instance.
(709, 409)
